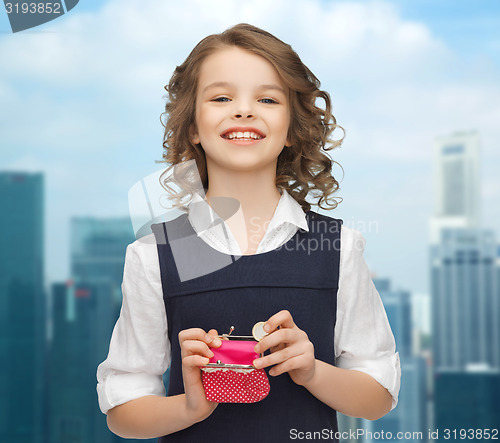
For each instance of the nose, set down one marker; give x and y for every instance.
(243, 109)
(243, 115)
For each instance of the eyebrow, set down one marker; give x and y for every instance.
(261, 87)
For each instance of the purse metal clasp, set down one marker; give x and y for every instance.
(228, 336)
(231, 329)
(219, 364)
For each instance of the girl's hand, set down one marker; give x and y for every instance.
(195, 346)
(291, 350)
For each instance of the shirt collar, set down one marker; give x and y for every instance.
(202, 217)
(288, 211)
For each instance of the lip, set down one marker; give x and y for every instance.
(243, 129)
(242, 142)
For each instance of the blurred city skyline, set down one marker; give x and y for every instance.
(444, 374)
(81, 99)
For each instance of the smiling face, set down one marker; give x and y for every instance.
(242, 111)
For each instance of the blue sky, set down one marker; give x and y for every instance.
(469, 27)
(80, 99)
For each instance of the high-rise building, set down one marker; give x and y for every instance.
(81, 317)
(465, 288)
(413, 395)
(397, 305)
(421, 319)
(349, 426)
(22, 307)
(456, 182)
(410, 414)
(98, 248)
(466, 336)
(84, 311)
(464, 269)
(465, 300)
(467, 403)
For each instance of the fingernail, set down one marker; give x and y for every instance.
(217, 342)
(209, 338)
(266, 327)
(211, 354)
(256, 349)
(256, 363)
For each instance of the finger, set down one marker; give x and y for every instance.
(304, 346)
(216, 342)
(297, 362)
(195, 347)
(277, 348)
(192, 361)
(192, 334)
(197, 334)
(282, 318)
(277, 357)
(279, 337)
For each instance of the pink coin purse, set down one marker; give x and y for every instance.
(230, 377)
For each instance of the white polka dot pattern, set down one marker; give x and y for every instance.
(227, 386)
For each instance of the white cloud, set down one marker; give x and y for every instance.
(27, 163)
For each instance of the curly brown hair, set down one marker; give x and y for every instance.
(301, 168)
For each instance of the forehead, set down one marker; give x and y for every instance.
(238, 67)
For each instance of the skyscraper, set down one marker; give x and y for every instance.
(468, 400)
(465, 291)
(464, 270)
(397, 305)
(22, 313)
(465, 302)
(98, 248)
(409, 415)
(456, 182)
(81, 316)
(84, 311)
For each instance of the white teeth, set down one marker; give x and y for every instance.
(247, 135)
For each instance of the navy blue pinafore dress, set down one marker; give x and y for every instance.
(204, 288)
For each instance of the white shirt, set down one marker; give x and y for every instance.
(139, 351)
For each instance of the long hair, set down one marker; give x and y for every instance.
(301, 168)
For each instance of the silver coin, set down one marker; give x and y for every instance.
(258, 331)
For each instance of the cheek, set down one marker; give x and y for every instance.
(207, 122)
(284, 124)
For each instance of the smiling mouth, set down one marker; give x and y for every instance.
(247, 135)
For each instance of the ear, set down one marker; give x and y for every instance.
(288, 143)
(193, 134)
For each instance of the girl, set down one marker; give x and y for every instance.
(243, 106)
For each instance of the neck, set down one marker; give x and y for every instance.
(255, 191)
(255, 199)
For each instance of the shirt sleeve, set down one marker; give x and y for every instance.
(139, 350)
(363, 336)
